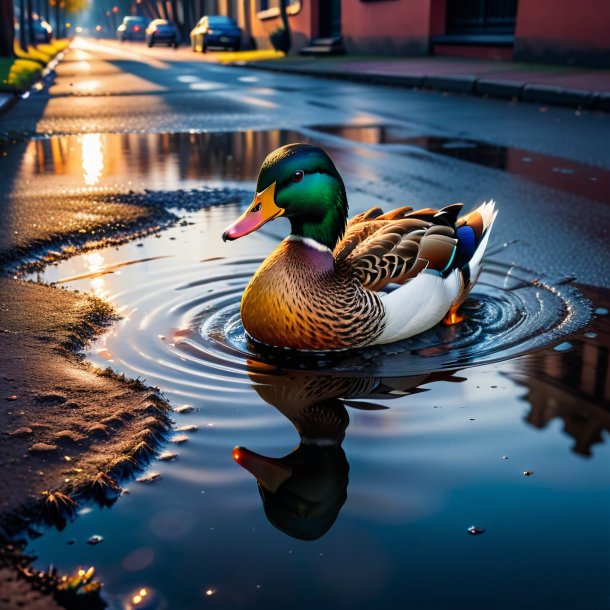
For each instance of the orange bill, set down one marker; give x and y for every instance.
(260, 211)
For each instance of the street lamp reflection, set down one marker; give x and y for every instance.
(93, 158)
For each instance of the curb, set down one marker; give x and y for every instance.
(470, 85)
(7, 101)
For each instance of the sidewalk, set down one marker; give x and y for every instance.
(6, 101)
(546, 84)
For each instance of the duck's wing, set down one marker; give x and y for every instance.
(397, 246)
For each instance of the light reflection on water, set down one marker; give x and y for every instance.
(376, 477)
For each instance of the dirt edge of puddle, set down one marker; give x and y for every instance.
(71, 432)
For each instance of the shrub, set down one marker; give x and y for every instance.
(18, 74)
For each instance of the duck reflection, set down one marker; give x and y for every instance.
(303, 492)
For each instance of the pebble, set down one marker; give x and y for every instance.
(188, 428)
(149, 477)
(167, 456)
(21, 431)
(184, 409)
(68, 435)
(42, 448)
(178, 439)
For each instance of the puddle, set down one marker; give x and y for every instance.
(373, 465)
(555, 172)
(153, 160)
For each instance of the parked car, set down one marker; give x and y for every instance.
(43, 31)
(162, 31)
(215, 31)
(132, 28)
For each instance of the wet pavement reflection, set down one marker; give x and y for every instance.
(153, 160)
(556, 172)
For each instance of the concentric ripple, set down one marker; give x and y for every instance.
(191, 338)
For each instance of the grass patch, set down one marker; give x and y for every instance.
(228, 57)
(42, 53)
(33, 54)
(18, 74)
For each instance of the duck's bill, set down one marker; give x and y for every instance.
(260, 211)
(269, 472)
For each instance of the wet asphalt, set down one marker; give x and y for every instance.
(546, 167)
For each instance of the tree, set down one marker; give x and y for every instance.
(31, 37)
(7, 28)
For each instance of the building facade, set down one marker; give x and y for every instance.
(547, 31)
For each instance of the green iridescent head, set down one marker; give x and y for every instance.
(300, 182)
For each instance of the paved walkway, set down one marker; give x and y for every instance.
(569, 86)
(6, 101)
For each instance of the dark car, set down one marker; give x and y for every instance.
(132, 28)
(215, 31)
(43, 32)
(162, 31)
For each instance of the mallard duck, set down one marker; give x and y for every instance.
(323, 287)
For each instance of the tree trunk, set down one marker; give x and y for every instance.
(23, 39)
(31, 35)
(7, 28)
(57, 20)
(176, 19)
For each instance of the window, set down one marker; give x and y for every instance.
(268, 9)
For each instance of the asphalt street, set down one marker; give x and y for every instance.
(547, 168)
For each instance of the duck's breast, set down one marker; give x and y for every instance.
(298, 299)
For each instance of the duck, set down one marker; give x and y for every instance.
(336, 284)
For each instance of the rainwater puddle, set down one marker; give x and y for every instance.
(373, 465)
(555, 172)
(96, 161)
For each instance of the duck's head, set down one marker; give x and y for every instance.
(302, 492)
(300, 182)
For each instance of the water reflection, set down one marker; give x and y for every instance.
(105, 159)
(556, 172)
(93, 158)
(303, 492)
(572, 384)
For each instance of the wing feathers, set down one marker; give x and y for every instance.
(396, 246)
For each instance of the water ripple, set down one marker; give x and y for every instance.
(190, 337)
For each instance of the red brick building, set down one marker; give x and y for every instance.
(553, 31)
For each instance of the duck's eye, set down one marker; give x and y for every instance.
(257, 207)
(298, 175)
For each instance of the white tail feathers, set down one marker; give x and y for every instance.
(488, 214)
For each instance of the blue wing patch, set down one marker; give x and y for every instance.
(466, 246)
